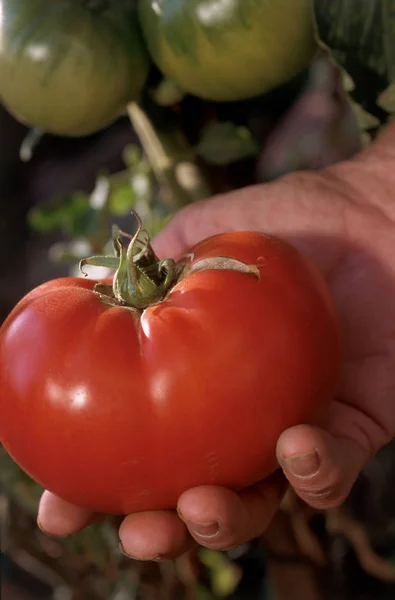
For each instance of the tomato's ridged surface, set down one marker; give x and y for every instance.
(69, 68)
(120, 414)
(229, 49)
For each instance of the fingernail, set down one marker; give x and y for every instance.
(204, 530)
(303, 465)
(157, 558)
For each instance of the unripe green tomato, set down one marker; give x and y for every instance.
(69, 67)
(227, 50)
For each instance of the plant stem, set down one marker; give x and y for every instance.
(30, 143)
(170, 157)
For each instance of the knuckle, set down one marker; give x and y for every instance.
(224, 543)
(327, 497)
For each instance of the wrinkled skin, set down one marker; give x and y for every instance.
(344, 220)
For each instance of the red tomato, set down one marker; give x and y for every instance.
(121, 412)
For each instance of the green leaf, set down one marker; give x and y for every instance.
(202, 593)
(122, 200)
(132, 156)
(70, 214)
(45, 219)
(387, 99)
(225, 575)
(226, 143)
(109, 262)
(68, 253)
(361, 36)
(77, 214)
(365, 119)
(168, 93)
(155, 222)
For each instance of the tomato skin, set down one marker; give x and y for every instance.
(229, 49)
(67, 67)
(122, 414)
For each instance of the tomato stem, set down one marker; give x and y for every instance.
(171, 159)
(30, 143)
(141, 278)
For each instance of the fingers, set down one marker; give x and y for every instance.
(59, 518)
(220, 519)
(211, 516)
(175, 239)
(154, 536)
(320, 467)
(143, 536)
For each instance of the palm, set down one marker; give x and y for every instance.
(335, 231)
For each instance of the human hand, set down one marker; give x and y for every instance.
(343, 220)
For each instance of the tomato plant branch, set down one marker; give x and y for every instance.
(170, 157)
(339, 522)
(30, 143)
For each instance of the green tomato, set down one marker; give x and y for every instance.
(227, 50)
(69, 67)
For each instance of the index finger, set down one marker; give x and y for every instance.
(59, 518)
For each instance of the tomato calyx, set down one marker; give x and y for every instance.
(217, 263)
(141, 278)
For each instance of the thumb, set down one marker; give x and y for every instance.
(219, 214)
(320, 467)
(187, 227)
